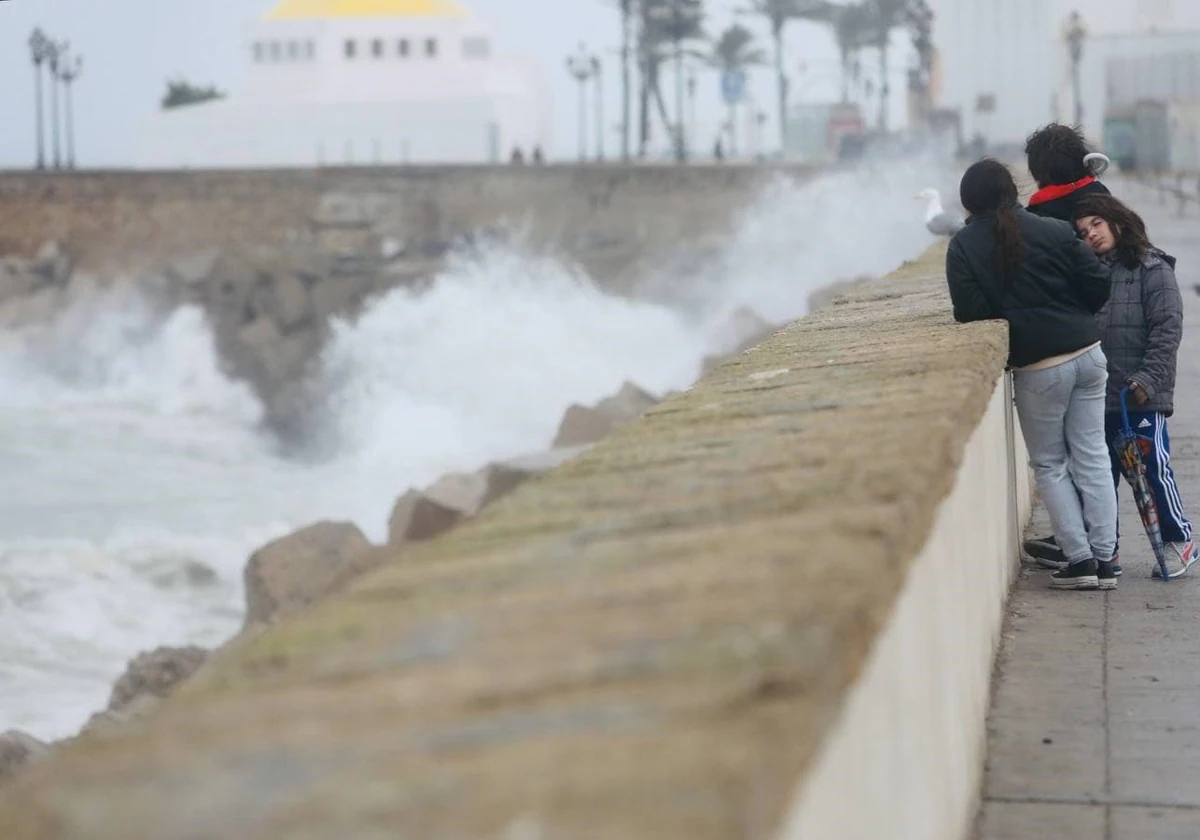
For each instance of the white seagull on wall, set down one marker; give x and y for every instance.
(937, 220)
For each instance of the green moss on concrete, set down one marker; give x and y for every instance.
(650, 642)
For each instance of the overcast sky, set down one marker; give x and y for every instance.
(131, 47)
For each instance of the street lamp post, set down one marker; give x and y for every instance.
(70, 68)
(691, 90)
(39, 52)
(581, 68)
(54, 53)
(598, 75)
(1075, 35)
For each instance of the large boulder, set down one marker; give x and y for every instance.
(38, 307)
(291, 573)
(18, 749)
(341, 295)
(742, 329)
(424, 514)
(155, 673)
(289, 302)
(464, 491)
(17, 278)
(53, 264)
(502, 477)
(193, 270)
(45, 275)
(268, 357)
(110, 720)
(419, 516)
(581, 425)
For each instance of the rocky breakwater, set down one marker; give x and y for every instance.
(273, 256)
(269, 309)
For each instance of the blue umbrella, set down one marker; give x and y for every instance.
(1131, 450)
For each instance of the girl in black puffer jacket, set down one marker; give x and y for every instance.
(1035, 274)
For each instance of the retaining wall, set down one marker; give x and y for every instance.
(606, 217)
(767, 609)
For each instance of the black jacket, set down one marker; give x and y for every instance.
(1051, 304)
(1059, 202)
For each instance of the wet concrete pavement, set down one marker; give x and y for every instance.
(1094, 732)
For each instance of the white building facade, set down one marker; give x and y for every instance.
(1012, 54)
(334, 82)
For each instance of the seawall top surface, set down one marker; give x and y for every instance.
(650, 642)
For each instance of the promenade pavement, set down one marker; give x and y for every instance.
(1094, 732)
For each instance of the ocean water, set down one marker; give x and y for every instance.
(135, 478)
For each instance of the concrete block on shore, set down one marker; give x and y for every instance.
(582, 424)
(287, 575)
(18, 749)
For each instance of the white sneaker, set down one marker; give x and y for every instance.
(1180, 557)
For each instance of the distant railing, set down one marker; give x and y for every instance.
(1183, 188)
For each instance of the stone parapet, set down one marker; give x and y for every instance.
(673, 635)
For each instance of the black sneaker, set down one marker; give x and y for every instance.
(1106, 575)
(1081, 575)
(1045, 551)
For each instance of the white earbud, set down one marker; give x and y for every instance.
(1097, 163)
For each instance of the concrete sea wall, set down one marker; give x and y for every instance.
(606, 218)
(767, 608)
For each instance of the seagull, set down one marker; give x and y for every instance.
(937, 220)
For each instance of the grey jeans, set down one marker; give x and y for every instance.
(1062, 419)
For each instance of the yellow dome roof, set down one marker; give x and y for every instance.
(302, 9)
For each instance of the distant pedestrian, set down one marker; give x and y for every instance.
(539, 158)
(1008, 264)
(1141, 327)
(518, 157)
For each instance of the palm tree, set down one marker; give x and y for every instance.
(673, 24)
(735, 52)
(181, 93)
(778, 13)
(886, 15)
(627, 9)
(920, 23)
(851, 28)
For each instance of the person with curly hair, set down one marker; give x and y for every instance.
(1065, 169)
(1141, 327)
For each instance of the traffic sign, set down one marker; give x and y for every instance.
(733, 86)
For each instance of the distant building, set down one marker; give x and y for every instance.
(824, 133)
(1004, 66)
(333, 82)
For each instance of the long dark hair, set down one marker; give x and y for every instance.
(1055, 153)
(1133, 242)
(988, 189)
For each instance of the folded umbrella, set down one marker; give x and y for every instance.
(1131, 450)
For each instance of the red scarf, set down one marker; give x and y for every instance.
(1052, 192)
